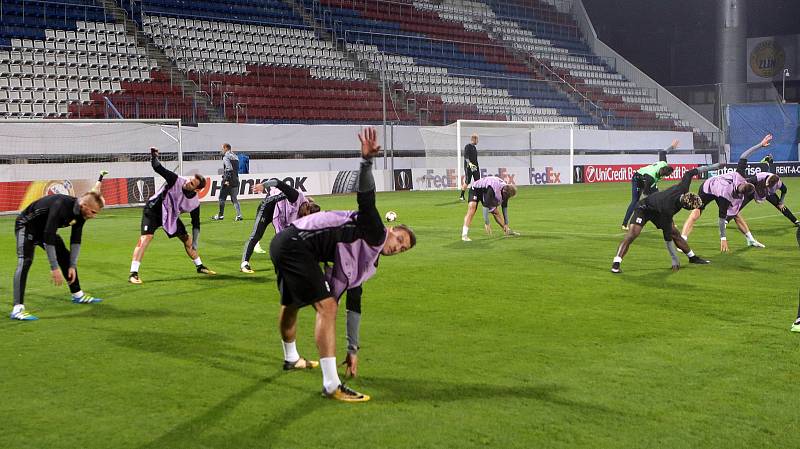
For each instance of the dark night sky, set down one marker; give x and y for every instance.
(681, 34)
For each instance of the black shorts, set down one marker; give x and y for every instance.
(477, 194)
(642, 215)
(300, 278)
(706, 197)
(470, 175)
(151, 221)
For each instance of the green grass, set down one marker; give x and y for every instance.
(502, 342)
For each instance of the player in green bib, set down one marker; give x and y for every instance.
(645, 180)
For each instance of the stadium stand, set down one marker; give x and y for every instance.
(312, 61)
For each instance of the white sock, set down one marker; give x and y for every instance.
(749, 236)
(464, 231)
(685, 237)
(617, 259)
(690, 254)
(330, 378)
(18, 308)
(78, 294)
(135, 266)
(290, 351)
(197, 262)
(246, 262)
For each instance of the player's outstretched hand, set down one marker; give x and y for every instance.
(58, 279)
(259, 188)
(369, 143)
(71, 275)
(767, 140)
(781, 207)
(351, 361)
(675, 144)
(488, 229)
(676, 266)
(154, 151)
(723, 246)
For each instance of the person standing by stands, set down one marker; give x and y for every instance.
(230, 182)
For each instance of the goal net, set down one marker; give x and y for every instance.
(523, 153)
(45, 157)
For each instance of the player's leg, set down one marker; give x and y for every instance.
(472, 207)
(634, 229)
(186, 239)
(796, 325)
(775, 201)
(223, 195)
(694, 215)
(235, 201)
(683, 245)
(287, 323)
(745, 230)
(25, 249)
(263, 218)
(636, 194)
(138, 255)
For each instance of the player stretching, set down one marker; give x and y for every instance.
(37, 225)
(491, 191)
(660, 208)
(349, 243)
(230, 183)
(729, 191)
(767, 186)
(281, 208)
(472, 172)
(645, 180)
(176, 196)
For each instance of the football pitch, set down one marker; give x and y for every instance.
(518, 342)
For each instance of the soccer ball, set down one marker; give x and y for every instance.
(391, 215)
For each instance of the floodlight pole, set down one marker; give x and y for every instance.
(571, 154)
(180, 149)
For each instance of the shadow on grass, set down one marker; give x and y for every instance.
(408, 390)
(206, 348)
(104, 311)
(184, 434)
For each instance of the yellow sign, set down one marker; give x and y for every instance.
(767, 59)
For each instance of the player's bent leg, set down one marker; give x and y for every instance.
(138, 254)
(192, 253)
(287, 322)
(472, 207)
(688, 226)
(633, 232)
(683, 246)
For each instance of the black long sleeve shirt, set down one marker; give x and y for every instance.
(43, 217)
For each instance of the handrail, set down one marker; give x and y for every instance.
(638, 77)
(110, 104)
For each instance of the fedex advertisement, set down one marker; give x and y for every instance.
(446, 178)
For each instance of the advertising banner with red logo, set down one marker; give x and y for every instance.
(621, 173)
(17, 195)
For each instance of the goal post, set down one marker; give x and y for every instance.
(504, 144)
(47, 156)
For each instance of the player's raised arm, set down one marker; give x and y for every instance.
(662, 155)
(168, 175)
(368, 216)
(742, 165)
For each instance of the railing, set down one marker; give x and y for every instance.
(55, 7)
(670, 101)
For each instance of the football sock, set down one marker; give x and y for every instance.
(197, 262)
(617, 259)
(330, 378)
(464, 230)
(749, 236)
(135, 266)
(78, 294)
(290, 351)
(690, 254)
(798, 314)
(685, 237)
(19, 308)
